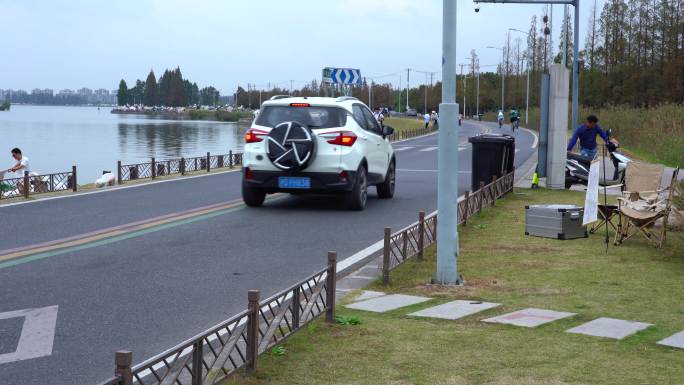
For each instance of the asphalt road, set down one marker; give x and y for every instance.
(147, 288)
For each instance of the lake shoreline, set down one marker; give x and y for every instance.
(191, 114)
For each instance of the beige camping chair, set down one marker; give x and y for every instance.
(642, 181)
(638, 217)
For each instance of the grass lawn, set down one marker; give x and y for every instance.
(401, 124)
(500, 264)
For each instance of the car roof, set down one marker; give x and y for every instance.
(342, 101)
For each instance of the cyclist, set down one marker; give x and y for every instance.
(500, 118)
(514, 117)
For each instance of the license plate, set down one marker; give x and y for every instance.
(292, 182)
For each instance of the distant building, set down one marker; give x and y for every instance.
(65, 93)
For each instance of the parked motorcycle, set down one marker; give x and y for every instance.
(577, 167)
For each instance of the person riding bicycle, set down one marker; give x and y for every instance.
(500, 118)
(514, 117)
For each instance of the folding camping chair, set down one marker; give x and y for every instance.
(639, 216)
(640, 183)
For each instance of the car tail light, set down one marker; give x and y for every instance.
(249, 174)
(341, 138)
(300, 105)
(254, 135)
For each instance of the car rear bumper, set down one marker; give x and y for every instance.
(321, 182)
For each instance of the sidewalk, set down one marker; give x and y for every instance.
(564, 289)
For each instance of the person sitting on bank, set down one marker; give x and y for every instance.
(586, 134)
(21, 166)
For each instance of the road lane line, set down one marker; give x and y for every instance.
(414, 170)
(102, 239)
(432, 148)
(402, 148)
(37, 333)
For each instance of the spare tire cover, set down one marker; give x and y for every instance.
(290, 146)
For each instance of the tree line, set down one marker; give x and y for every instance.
(171, 90)
(633, 55)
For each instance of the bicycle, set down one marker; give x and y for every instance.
(515, 125)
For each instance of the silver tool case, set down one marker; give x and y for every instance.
(555, 221)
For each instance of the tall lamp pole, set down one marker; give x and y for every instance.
(503, 75)
(447, 179)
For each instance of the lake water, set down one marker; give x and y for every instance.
(55, 138)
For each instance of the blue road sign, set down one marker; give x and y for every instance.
(342, 76)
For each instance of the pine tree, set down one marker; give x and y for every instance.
(151, 96)
(122, 94)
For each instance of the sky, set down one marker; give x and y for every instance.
(225, 43)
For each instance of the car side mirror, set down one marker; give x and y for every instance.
(387, 131)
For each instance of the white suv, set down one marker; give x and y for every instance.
(317, 145)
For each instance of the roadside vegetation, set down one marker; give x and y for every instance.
(403, 124)
(633, 282)
(654, 134)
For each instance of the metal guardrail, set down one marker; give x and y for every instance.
(412, 241)
(155, 168)
(38, 184)
(213, 355)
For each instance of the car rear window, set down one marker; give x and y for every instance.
(314, 117)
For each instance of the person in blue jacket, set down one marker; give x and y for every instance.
(586, 134)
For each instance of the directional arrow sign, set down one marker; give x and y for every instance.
(37, 333)
(342, 76)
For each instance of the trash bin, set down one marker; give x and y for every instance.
(493, 154)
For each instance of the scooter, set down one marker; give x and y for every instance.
(577, 167)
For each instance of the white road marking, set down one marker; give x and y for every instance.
(517, 149)
(37, 333)
(402, 148)
(433, 148)
(414, 170)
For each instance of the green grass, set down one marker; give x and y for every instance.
(501, 264)
(653, 134)
(403, 124)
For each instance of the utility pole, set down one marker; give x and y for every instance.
(564, 55)
(290, 87)
(425, 106)
(477, 98)
(575, 68)
(408, 74)
(370, 86)
(447, 179)
(461, 64)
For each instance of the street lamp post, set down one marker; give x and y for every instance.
(503, 75)
(447, 179)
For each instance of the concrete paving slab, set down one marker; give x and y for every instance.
(609, 328)
(455, 309)
(387, 303)
(369, 294)
(529, 318)
(675, 341)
